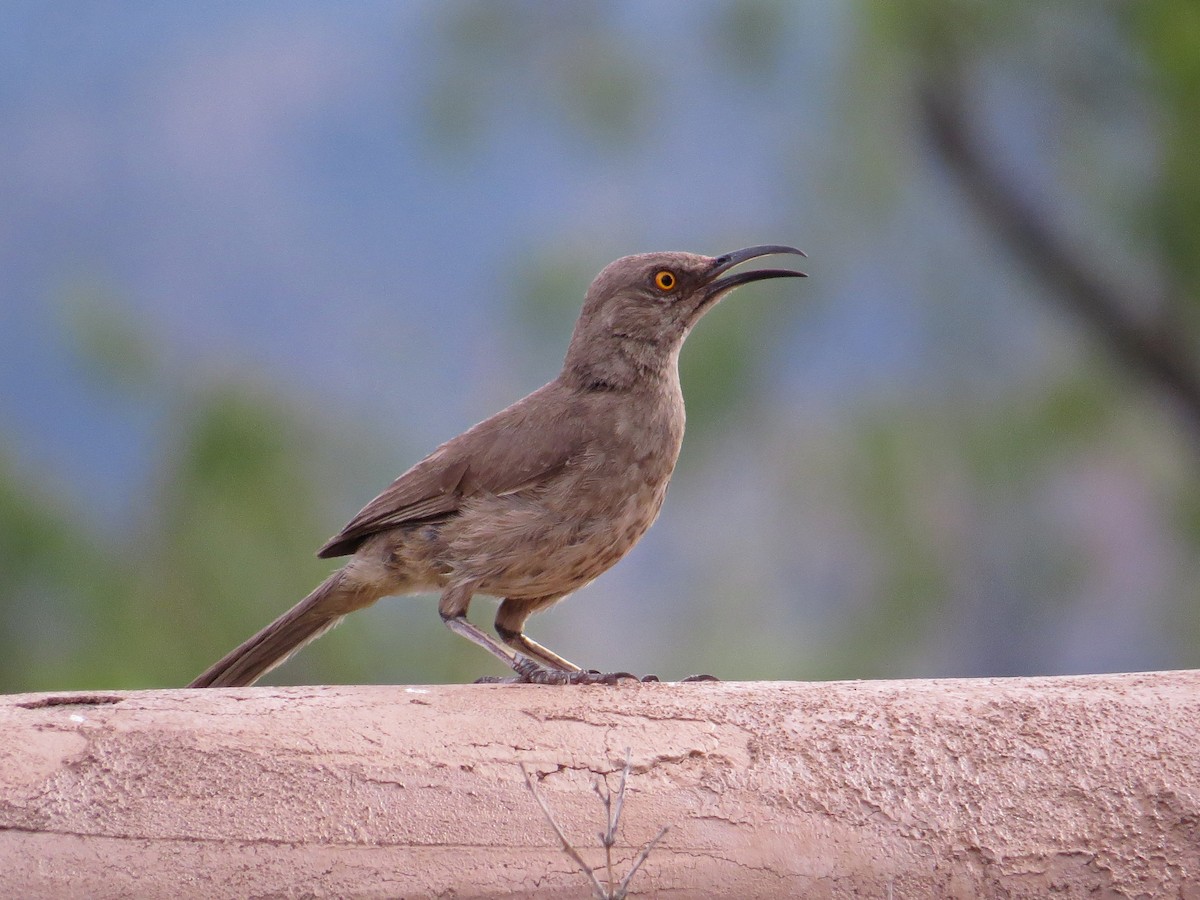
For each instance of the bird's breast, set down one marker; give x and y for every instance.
(557, 535)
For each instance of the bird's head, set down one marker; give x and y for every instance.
(640, 308)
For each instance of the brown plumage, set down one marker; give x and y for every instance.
(536, 501)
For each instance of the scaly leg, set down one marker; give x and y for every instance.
(453, 606)
(510, 625)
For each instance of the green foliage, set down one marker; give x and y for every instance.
(1169, 37)
(232, 528)
(57, 579)
(222, 543)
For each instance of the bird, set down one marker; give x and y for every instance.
(538, 500)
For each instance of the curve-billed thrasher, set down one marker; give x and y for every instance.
(538, 500)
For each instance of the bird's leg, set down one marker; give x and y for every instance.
(543, 666)
(532, 663)
(460, 626)
(453, 607)
(510, 625)
(552, 668)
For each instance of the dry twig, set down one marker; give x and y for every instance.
(608, 837)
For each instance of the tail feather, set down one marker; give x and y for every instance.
(306, 621)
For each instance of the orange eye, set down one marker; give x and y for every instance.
(664, 280)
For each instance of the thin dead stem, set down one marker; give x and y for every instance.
(637, 863)
(597, 888)
(613, 805)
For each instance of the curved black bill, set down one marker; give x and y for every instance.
(728, 261)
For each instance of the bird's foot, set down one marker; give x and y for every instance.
(530, 672)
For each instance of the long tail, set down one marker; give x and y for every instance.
(307, 620)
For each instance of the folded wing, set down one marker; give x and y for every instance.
(514, 449)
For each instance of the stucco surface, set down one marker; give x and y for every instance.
(1085, 786)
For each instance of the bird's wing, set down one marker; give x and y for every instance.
(515, 448)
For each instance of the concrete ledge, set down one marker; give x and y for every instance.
(1086, 786)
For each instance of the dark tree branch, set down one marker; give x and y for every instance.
(1155, 355)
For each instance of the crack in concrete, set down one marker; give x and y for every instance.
(301, 844)
(71, 700)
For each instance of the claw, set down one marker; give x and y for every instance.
(614, 677)
(529, 671)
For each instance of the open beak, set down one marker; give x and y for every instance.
(723, 264)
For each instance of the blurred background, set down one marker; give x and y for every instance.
(257, 259)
